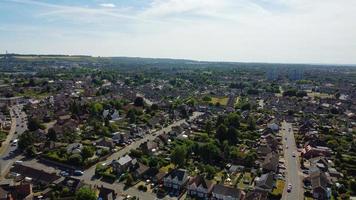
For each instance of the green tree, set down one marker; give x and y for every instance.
(25, 140)
(87, 152)
(178, 155)
(52, 135)
(153, 162)
(233, 120)
(221, 133)
(34, 124)
(208, 127)
(75, 159)
(209, 152)
(85, 193)
(131, 114)
(129, 180)
(231, 135)
(96, 108)
(139, 102)
(251, 123)
(206, 98)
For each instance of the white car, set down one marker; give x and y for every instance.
(289, 188)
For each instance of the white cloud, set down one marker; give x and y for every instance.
(107, 5)
(321, 31)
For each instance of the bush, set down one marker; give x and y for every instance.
(142, 188)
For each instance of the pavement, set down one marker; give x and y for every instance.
(8, 154)
(293, 172)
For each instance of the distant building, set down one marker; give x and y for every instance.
(295, 74)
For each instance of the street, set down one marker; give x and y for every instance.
(8, 154)
(293, 172)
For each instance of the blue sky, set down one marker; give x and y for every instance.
(298, 31)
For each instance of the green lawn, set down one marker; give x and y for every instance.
(222, 100)
(280, 186)
(167, 167)
(3, 135)
(246, 178)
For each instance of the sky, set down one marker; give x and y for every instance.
(285, 31)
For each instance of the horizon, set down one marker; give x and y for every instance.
(194, 60)
(258, 31)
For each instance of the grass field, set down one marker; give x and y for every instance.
(246, 178)
(3, 135)
(280, 187)
(221, 100)
(166, 168)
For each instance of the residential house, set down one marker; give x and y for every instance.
(265, 182)
(72, 184)
(149, 147)
(257, 195)
(105, 142)
(319, 184)
(311, 152)
(222, 192)
(37, 176)
(106, 193)
(22, 191)
(199, 187)
(74, 148)
(270, 162)
(123, 164)
(176, 179)
(140, 170)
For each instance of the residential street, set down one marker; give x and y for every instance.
(293, 175)
(8, 154)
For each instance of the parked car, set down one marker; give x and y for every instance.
(78, 173)
(64, 173)
(289, 188)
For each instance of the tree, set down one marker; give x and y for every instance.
(178, 155)
(75, 159)
(154, 107)
(208, 127)
(52, 135)
(206, 98)
(233, 120)
(251, 123)
(131, 114)
(87, 152)
(153, 162)
(221, 133)
(25, 140)
(96, 108)
(129, 180)
(139, 102)
(231, 135)
(34, 124)
(85, 193)
(210, 172)
(209, 152)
